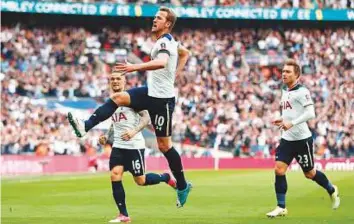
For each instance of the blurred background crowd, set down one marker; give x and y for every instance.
(227, 95)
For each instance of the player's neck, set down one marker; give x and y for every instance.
(292, 85)
(158, 35)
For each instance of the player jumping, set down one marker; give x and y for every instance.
(168, 57)
(296, 141)
(128, 150)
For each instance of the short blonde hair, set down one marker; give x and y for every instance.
(171, 15)
(296, 66)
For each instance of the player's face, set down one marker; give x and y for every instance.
(288, 75)
(117, 81)
(160, 22)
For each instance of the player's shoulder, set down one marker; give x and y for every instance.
(302, 89)
(299, 88)
(126, 109)
(166, 39)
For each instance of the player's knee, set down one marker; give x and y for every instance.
(116, 175)
(164, 144)
(280, 170)
(117, 98)
(121, 98)
(140, 181)
(310, 174)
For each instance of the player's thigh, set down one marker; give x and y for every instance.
(139, 98)
(135, 161)
(284, 156)
(161, 113)
(116, 158)
(116, 164)
(304, 154)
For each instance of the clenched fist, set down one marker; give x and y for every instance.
(102, 140)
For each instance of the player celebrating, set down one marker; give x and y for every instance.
(168, 58)
(128, 150)
(297, 109)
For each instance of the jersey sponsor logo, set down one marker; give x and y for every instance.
(118, 117)
(286, 105)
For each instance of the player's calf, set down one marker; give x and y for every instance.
(153, 179)
(322, 180)
(281, 185)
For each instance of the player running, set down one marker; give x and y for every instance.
(168, 57)
(296, 142)
(128, 150)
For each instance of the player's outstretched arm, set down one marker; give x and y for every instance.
(183, 55)
(158, 63)
(144, 121)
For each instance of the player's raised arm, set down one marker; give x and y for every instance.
(183, 55)
(158, 63)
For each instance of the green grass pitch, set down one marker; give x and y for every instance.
(232, 196)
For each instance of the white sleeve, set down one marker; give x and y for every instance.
(163, 46)
(309, 113)
(304, 98)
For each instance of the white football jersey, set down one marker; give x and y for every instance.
(160, 82)
(125, 118)
(293, 103)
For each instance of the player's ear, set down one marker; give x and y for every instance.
(168, 24)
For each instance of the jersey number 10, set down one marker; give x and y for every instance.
(159, 121)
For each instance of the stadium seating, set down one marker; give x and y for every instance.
(227, 95)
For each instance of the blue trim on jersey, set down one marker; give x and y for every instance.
(168, 36)
(296, 87)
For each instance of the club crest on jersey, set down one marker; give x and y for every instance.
(117, 117)
(286, 105)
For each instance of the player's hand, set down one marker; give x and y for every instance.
(127, 135)
(286, 125)
(102, 140)
(278, 121)
(124, 67)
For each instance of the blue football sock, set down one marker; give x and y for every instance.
(321, 179)
(154, 178)
(281, 188)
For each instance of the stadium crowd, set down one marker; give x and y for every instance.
(224, 98)
(307, 4)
